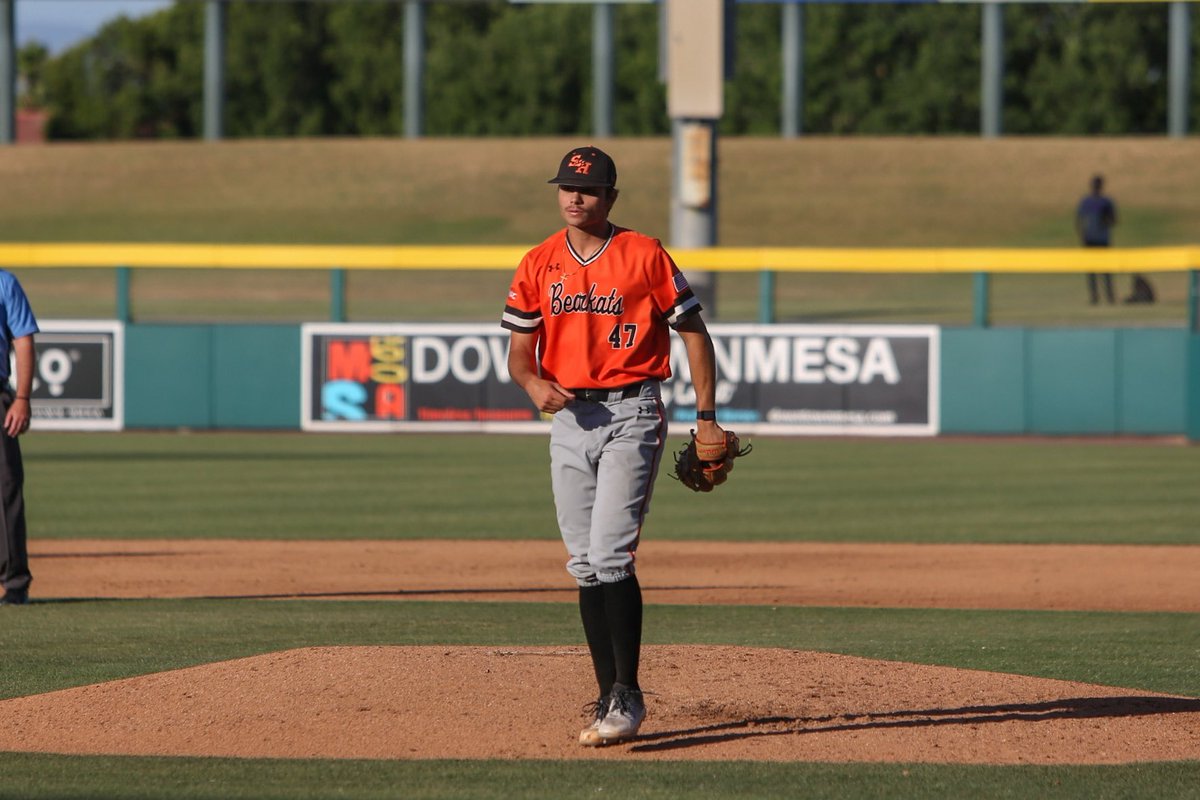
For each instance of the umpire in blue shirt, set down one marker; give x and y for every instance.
(16, 339)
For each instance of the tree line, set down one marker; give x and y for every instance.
(491, 68)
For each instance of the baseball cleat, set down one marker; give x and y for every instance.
(590, 736)
(624, 716)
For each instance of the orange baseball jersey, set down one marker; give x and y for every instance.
(603, 321)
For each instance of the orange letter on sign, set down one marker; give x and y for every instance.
(349, 361)
(389, 401)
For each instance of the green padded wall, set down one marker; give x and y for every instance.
(256, 376)
(1152, 382)
(212, 376)
(1072, 381)
(983, 380)
(168, 376)
(1040, 381)
(1192, 413)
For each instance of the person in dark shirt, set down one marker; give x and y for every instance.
(1094, 218)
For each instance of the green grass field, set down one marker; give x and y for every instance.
(305, 486)
(290, 486)
(848, 192)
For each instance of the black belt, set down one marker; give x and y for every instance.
(609, 395)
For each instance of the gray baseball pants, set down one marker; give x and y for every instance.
(604, 457)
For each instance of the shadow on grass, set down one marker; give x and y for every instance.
(1070, 708)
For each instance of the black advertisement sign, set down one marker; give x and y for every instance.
(390, 377)
(787, 379)
(79, 380)
(820, 379)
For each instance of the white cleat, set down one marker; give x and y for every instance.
(625, 715)
(590, 736)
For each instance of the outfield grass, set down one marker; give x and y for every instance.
(848, 192)
(73, 642)
(330, 486)
(76, 778)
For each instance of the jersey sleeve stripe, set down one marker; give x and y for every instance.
(515, 319)
(686, 305)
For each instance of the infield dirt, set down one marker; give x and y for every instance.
(993, 576)
(706, 702)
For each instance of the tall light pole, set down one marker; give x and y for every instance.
(696, 41)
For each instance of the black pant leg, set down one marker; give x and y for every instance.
(14, 558)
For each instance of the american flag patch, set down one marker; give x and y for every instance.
(679, 281)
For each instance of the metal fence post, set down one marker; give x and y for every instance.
(8, 72)
(766, 296)
(603, 68)
(982, 301)
(414, 69)
(214, 70)
(337, 295)
(1194, 300)
(124, 309)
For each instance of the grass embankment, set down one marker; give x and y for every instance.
(850, 192)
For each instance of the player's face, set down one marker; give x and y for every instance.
(586, 207)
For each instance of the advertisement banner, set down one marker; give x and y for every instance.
(786, 379)
(398, 377)
(79, 381)
(818, 379)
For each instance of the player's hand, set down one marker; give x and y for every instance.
(16, 421)
(709, 431)
(548, 396)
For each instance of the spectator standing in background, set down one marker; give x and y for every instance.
(1094, 218)
(16, 339)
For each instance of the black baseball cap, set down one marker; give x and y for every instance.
(586, 166)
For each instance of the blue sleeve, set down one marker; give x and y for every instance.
(18, 316)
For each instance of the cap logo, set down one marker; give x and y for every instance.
(581, 167)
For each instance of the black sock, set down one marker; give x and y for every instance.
(623, 603)
(599, 638)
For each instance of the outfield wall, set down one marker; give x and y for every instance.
(1120, 381)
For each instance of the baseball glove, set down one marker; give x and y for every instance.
(702, 465)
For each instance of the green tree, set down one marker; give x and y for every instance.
(890, 69)
(1084, 69)
(639, 97)
(752, 96)
(494, 68)
(277, 75)
(366, 58)
(31, 69)
(516, 70)
(128, 81)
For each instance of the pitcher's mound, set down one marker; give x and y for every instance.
(720, 703)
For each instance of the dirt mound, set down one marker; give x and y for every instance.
(524, 702)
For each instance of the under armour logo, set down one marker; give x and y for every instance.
(581, 167)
